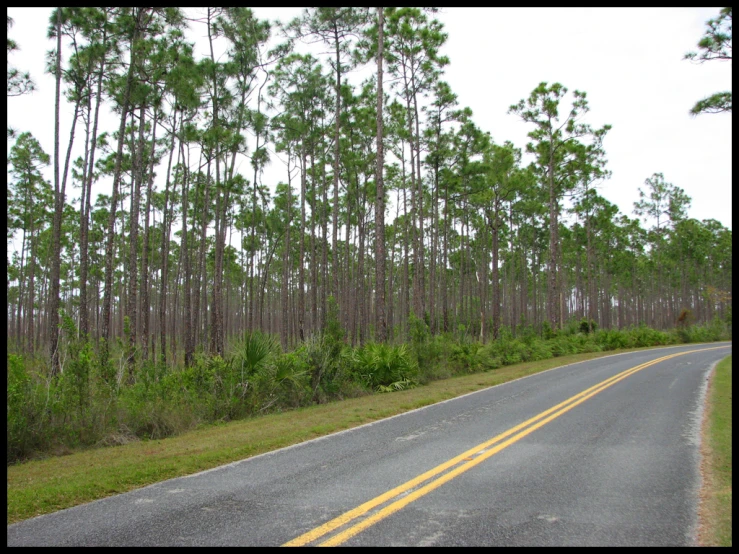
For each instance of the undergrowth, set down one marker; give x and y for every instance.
(90, 403)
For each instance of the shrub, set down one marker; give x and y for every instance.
(546, 330)
(334, 335)
(646, 336)
(252, 351)
(539, 349)
(285, 383)
(464, 356)
(489, 356)
(587, 326)
(322, 355)
(154, 414)
(20, 412)
(420, 337)
(612, 339)
(381, 365)
(563, 346)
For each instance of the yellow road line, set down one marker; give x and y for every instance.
(535, 423)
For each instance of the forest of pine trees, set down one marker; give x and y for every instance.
(399, 212)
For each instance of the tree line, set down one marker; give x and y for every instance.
(398, 209)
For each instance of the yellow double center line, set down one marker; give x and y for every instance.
(471, 458)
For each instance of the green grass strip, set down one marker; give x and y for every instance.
(716, 508)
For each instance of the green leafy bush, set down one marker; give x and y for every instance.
(643, 336)
(539, 349)
(290, 381)
(612, 339)
(153, 414)
(322, 356)
(464, 356)
(253, 351)
(20, 411)
(382, 365)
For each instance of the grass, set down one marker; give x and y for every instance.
(43, 486)
(715, 510)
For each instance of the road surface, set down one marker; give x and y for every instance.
(603, 452)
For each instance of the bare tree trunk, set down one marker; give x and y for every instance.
(301, 265)
(494, 226)
(552, 291)
(434, 250)
(21, 291)
(87, 192)
(29, 311)
(346, 294)
(380, 301)
(415, 212)
(444, 280)
(334, 239)
(405, 313)
(200, 284)
(145, 293)
(359, 280)
(420, 270)
(324, 253)
(108, 293)
(166, 228)
(314, 253)
(216, 340)
(185, 249)
(284, 334)
(59, 192)
(131, 309)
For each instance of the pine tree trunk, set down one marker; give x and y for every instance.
(284, 334)
(133, 251)
(360, 279)
(185, 249)
(552, 291)
(334, 241)
(380, 301)
(108, 291)
(444, 280)
(86, 206)
(145, 292)
(301, 261)
(314, 250)
(495, 276)
(59, 192)
(166, 228)
(420, 270)
(324, 252)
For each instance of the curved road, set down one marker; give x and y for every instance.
(603, 452)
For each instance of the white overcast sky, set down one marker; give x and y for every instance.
(629, 61)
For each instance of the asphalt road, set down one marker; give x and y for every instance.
(603, 452)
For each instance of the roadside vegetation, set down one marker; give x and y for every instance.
(716, 495)
(82, 435)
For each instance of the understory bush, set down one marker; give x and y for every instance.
(465, 356)
(384, 367)
(91, 403)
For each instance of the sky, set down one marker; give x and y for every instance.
(629, 62)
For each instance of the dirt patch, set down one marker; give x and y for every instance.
(123, 436)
